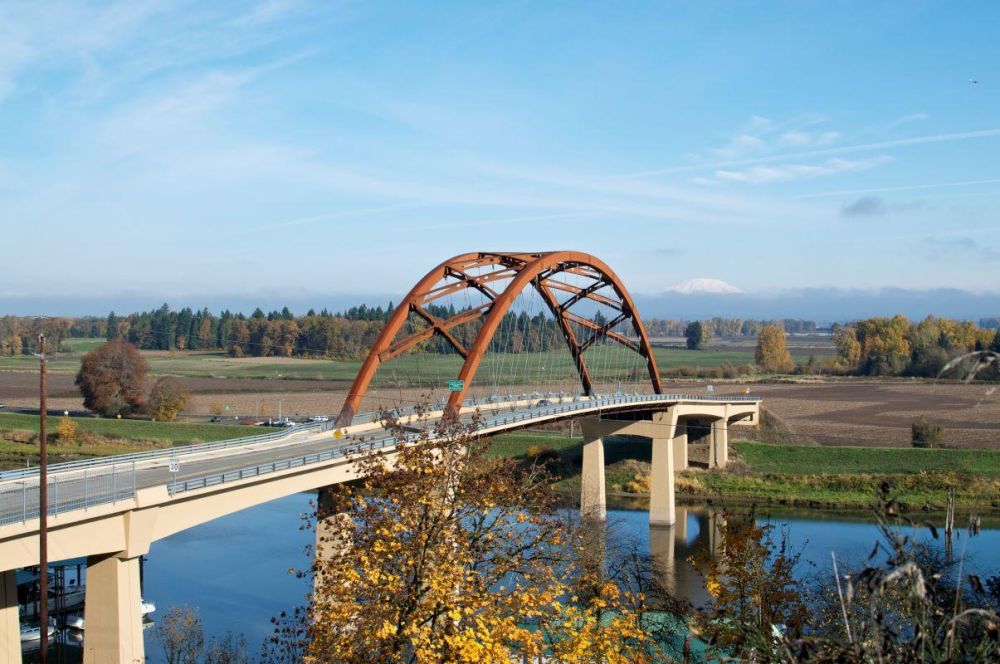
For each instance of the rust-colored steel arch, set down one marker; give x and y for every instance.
(522, 270)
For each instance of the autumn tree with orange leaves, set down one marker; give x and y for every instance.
(111, 379)
(449, 555)
(771, 353)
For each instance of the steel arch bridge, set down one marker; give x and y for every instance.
(500, 278)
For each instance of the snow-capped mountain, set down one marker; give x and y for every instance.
(704, 285)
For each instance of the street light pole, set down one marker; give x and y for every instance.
(43, 525)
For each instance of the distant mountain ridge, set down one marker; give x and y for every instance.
(705, 285)
(823, 305)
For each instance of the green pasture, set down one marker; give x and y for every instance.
(606, 363)
(820, 460)
(174, 432)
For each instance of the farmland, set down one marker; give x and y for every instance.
(815, 411)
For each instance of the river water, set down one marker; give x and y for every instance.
(237, 570)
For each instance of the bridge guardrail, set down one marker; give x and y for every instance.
(104, 482)
(68, 491)
(68, 466)
(256, 470)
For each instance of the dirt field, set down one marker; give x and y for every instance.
(835, 412)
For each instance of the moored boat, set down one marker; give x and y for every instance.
(33, 632)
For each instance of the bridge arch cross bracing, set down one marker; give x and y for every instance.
(501, 277)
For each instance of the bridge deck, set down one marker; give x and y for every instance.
(80, 485)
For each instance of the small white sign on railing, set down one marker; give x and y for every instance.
(174, 465)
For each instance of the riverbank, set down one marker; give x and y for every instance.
(799, 476)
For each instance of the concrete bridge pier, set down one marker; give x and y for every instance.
(718, 445)
(681, 447)
(10, 625)
(593, 496)
(331, 533)
(112, 612)
(661, 432)
(662, 509)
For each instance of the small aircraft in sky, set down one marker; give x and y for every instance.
(973, 81)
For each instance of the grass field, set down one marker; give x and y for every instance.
(174, 432)
(102, 437)
(814, 460)
(793, 475)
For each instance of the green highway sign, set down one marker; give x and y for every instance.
(456, 385)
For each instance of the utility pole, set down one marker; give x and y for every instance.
(43, 525)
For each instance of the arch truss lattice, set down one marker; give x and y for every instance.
(500, 278)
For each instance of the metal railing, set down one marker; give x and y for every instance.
(67, 492)
(83, 484)
(349, 447)
(68, 466)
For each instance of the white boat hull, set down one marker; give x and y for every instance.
(34, 633)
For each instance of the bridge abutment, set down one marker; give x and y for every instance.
(10, 625)
(112, 612)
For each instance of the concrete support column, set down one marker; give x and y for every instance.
(681, 448)
(112, 612)
(661, 484)
(10, 624)
(718, 447)
(332, 531)
(593, 503)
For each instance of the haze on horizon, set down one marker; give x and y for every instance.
(187, 151)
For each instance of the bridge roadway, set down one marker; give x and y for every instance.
(76, 485)
(112, 509)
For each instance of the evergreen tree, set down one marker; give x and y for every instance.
(112, 326)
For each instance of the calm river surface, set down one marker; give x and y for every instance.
(235, 570)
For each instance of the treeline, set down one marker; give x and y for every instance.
(899, 347)
(727, 327)
(19, 336)
(345, 335)
(278, 333)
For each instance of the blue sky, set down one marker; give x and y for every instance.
(180, 149)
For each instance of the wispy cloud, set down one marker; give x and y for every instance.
(788, 172)
(763, 136)
(909, 187)
(803, 139)
(825, 152)
(905, 120)
(264, 12)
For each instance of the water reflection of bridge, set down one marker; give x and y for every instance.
(696, 534)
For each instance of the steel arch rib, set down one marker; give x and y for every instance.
(528, 268)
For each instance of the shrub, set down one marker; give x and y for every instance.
(67, 429)
(167, 398)
(925, 433)
(638, 484)
(542, 454)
